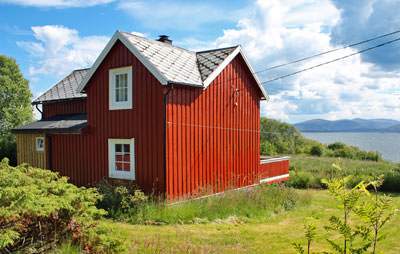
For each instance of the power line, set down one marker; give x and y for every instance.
(334, 60)
(327, 52)
(354, 44)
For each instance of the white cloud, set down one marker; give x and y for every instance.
(282, 31)
(57, 3)
(59, 50)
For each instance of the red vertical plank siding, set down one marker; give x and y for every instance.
(213, 144)
(273, 169)
(84, 158)
(74, 106)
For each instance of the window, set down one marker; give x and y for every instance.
(39, 143)
(120, 88)
(121, 158)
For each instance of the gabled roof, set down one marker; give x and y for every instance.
(56, 124)
(170, 64)
(64, 89)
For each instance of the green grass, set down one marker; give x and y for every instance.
(250, 203)
(273, 234)
(307, 171)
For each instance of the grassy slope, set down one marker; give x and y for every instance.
(272, 235)
(314, 163)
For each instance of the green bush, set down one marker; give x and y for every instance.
(119, 199)
(336, 146)
(316, 150)
(39, 209)
(266, 148)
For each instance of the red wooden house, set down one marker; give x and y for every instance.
(171, 120)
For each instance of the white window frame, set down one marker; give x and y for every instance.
(117, 105)
(38, 148)
(112, 171)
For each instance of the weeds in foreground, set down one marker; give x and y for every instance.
(374, 211)
(253, 203)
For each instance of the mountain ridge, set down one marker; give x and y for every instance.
(349, 125)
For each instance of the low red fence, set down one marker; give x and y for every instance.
(274, 169)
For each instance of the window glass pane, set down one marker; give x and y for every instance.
(123, 80)
(118, 148)
(126, 148)
(119, 166)
(117, 81)
(117, 95)
(127, 166)
(126, 157)
(119, 157)
(124, 94)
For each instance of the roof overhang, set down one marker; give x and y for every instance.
(60, 124)
(225, 63)
(119, 36)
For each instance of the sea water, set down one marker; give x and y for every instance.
(387, 143)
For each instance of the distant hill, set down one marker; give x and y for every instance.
(346, 125)
(395, 128)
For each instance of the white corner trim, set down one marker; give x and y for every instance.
(225, 63)
(112, 173)
(135, 52)
(270, 179)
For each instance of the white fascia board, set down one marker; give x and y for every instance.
(220, 68)
(143, 60)
(254, 75)
(135, 52)
(225, 63)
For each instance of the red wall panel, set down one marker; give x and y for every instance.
(277, 168)
(85, 157)
(75, 106)
(213, 134)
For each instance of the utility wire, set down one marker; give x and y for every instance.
(327, 52)
(334, 60)
(354, 44)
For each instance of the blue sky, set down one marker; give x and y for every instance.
(50, 38)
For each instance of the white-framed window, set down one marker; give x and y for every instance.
(120, 88)
(39, 143)
(121, 158)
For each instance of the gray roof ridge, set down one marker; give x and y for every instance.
(217, 49)
(157, 42)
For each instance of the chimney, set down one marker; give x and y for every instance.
(164, 38)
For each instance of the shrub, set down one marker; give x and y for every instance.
(336, 146)
(266, 148)
(120, 198)
(39, 209)
(316, 150)
(299, 180)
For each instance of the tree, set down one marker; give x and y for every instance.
(15, 107)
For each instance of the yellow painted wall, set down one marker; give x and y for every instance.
(26, 150)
